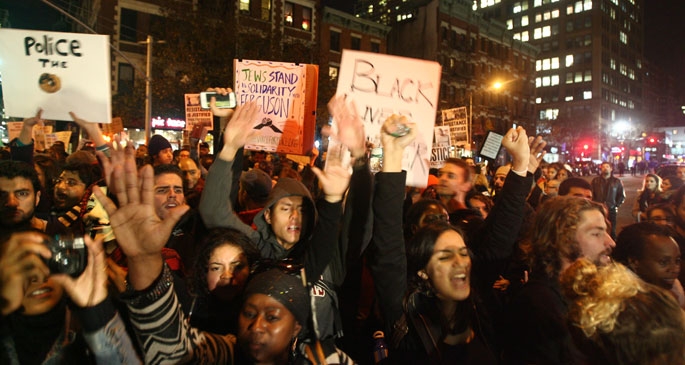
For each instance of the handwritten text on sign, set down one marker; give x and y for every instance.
(272, 90)
(382, 85)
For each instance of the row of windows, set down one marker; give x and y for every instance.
(355, 43)
(552, 96)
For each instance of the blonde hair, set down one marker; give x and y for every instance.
(630, 321)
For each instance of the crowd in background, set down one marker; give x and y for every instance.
(249, 257)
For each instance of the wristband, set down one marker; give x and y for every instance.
(142, 298)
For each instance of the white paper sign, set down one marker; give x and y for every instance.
(59, 72)
(382, 85)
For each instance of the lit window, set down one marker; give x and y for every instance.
(306, 19)
(579, 76)
(245, 6)
(332, 72)
(538, 18)
(545, 64)
(545, 81)
(555, 80)
(569, 10)
(579, 7)
(588, 75)
(517, 8)
(555, 63)
(547, 15)
(587, 5)
(537, 3)
(537, 33)
(612, 64)
(524, 36)
(288, 11)
(587, 95)
(569, 98)
(538, 65)
(538, 82)
(510, 24)
(517, 36)
(524, 20)
(538, 100)
(612, 13)
(623, 37)
(569, 60)
(569, 77)
(555, 13)
(546, 31)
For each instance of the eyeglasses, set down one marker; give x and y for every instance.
(70, 182)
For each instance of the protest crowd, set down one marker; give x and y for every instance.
(117, 253)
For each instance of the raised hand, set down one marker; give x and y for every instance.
(141, 234)
(220, 112)
(537, 152)
(239, 130)
(393, 147)
(90, 288)
(516, 144)
(20, 261)
(334, 182)
(26, 133)
(350, 127)
(93, 130)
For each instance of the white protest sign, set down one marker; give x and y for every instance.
(457, 120)
(441, 146)
(286, 96)
(58, 72)
(382, 85)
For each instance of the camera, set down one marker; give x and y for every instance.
(69, 255)
(227, 101)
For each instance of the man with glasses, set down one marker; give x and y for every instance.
(73, 188)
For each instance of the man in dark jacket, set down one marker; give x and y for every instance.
(608, 189)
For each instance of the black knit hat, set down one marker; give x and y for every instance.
(285, 288)
(156, 144)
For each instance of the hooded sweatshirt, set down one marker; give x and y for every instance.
(318, 239)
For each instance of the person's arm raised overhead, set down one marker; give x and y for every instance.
(141, 234)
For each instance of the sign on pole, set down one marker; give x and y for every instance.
(382, 85)
(195, 115)
(458, 122)
(441, 146)
(58, 72)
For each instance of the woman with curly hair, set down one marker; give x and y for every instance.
(219, 278)
(624, 319)
(649, 195)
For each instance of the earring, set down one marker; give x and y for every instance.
(293, 348)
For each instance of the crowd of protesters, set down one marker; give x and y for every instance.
(246, 257)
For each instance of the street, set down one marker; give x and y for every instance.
(631, 184)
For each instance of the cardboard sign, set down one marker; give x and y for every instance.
(286, 95)
(14, 129)
(64, 137)
(457, 120)
(441, 146)
(382, 85)
(58, 72)
(117, 126)
(195, 115)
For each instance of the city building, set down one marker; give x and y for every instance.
(483, 67)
